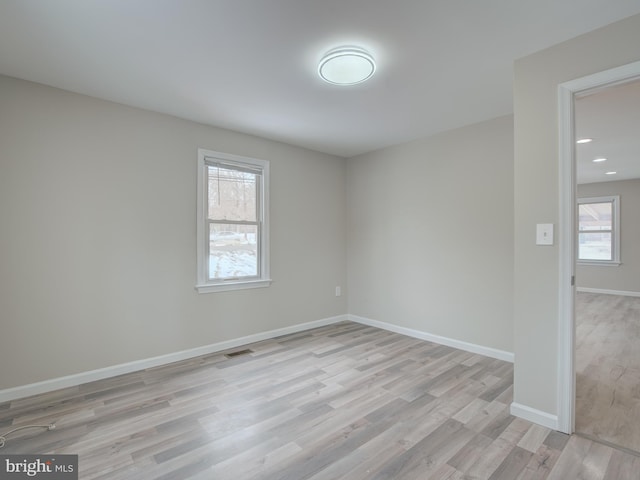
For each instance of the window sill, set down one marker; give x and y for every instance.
(598, 264)
(227, 286)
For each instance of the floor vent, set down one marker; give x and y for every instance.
(238, 353)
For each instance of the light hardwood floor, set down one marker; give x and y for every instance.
(608, 368)
(343, 402)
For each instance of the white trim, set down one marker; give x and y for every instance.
(614, 200)
(449, 342)
(623, 293)
(45, 386)
(566, 160)
(533, 415)
(203, 285)
(566, 236)
(224, 287)
(595, 263)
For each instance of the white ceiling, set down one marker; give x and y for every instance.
(611, 117)
(250, 65)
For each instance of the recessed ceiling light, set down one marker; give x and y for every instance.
(346, 66)
(598, 160)
(584, 140)
(611, 173)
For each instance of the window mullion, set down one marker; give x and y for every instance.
(595, 231)
(232, 222)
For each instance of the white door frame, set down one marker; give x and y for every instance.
(567, 237)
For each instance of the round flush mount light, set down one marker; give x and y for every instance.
(346, 66)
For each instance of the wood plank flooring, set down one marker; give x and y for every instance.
(345, 401)
(608, 368)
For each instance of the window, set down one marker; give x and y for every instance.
(598, 230)
(232, 245)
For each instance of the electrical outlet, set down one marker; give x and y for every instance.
(338, 291)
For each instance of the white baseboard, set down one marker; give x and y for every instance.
(608, 292)
(45, 386)
(449, 342)
(102, 373)
(536, 416)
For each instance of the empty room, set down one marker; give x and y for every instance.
(318, 240)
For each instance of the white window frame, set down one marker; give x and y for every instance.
(203, 284)
(615, 230)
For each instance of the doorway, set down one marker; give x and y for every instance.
(570, 94)
(607, 302)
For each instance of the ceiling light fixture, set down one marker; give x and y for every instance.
(346, 66)
(584, 140)
(598, 160)
(611, 173)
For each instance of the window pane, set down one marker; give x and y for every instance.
(595, 216)
(594, 246)
(233, 251)
(232, 194)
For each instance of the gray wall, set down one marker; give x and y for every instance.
(430, 234)
(97, 243)
(536, 296)
(625, 277)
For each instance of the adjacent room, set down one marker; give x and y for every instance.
(318, 240)
(608, 269)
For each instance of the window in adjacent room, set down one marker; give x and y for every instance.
(599, 230)
(232, 222)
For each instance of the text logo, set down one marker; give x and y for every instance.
(53, 467)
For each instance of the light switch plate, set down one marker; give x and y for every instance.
(544, 234)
